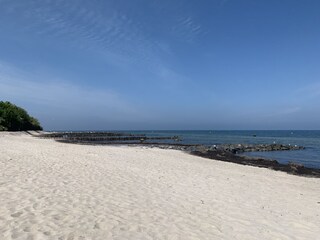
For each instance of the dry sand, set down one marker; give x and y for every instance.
(51, 190)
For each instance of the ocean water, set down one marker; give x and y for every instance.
(309, 157)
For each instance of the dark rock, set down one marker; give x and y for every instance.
(239, 148)
(227, 156)
(296, 168)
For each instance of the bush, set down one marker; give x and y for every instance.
(14, 118)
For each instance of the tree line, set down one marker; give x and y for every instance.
(14, 118)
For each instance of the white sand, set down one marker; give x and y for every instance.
(50, 190)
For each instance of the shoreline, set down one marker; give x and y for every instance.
(223, 152)
(219, 152)
(52, 190)
(220, 155)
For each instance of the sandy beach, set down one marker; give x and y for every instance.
(51, 190)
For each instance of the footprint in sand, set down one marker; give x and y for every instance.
(17, 214)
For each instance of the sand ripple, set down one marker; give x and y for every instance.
(50, 190)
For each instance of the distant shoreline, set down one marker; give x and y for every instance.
(198, 150)
(219, 154)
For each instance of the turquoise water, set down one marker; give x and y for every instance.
(310, 139)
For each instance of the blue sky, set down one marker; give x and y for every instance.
(162, 64)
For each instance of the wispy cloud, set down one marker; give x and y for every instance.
(64, 97)
(102, 28)
(290, 110)
(283, 111)
(187, 28)
(309, 91)
(106, 28)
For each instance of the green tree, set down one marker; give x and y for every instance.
(14, 118)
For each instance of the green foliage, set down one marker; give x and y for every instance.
(14, 118)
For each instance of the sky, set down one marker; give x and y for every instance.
(162, 64)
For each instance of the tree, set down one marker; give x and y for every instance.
(14, 118)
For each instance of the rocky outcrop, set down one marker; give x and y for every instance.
(227, 153)
(239, 148)
(227, 156)
(106, 137)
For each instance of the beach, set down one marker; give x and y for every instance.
(52, 190)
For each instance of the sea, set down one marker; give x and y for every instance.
(309, 157)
